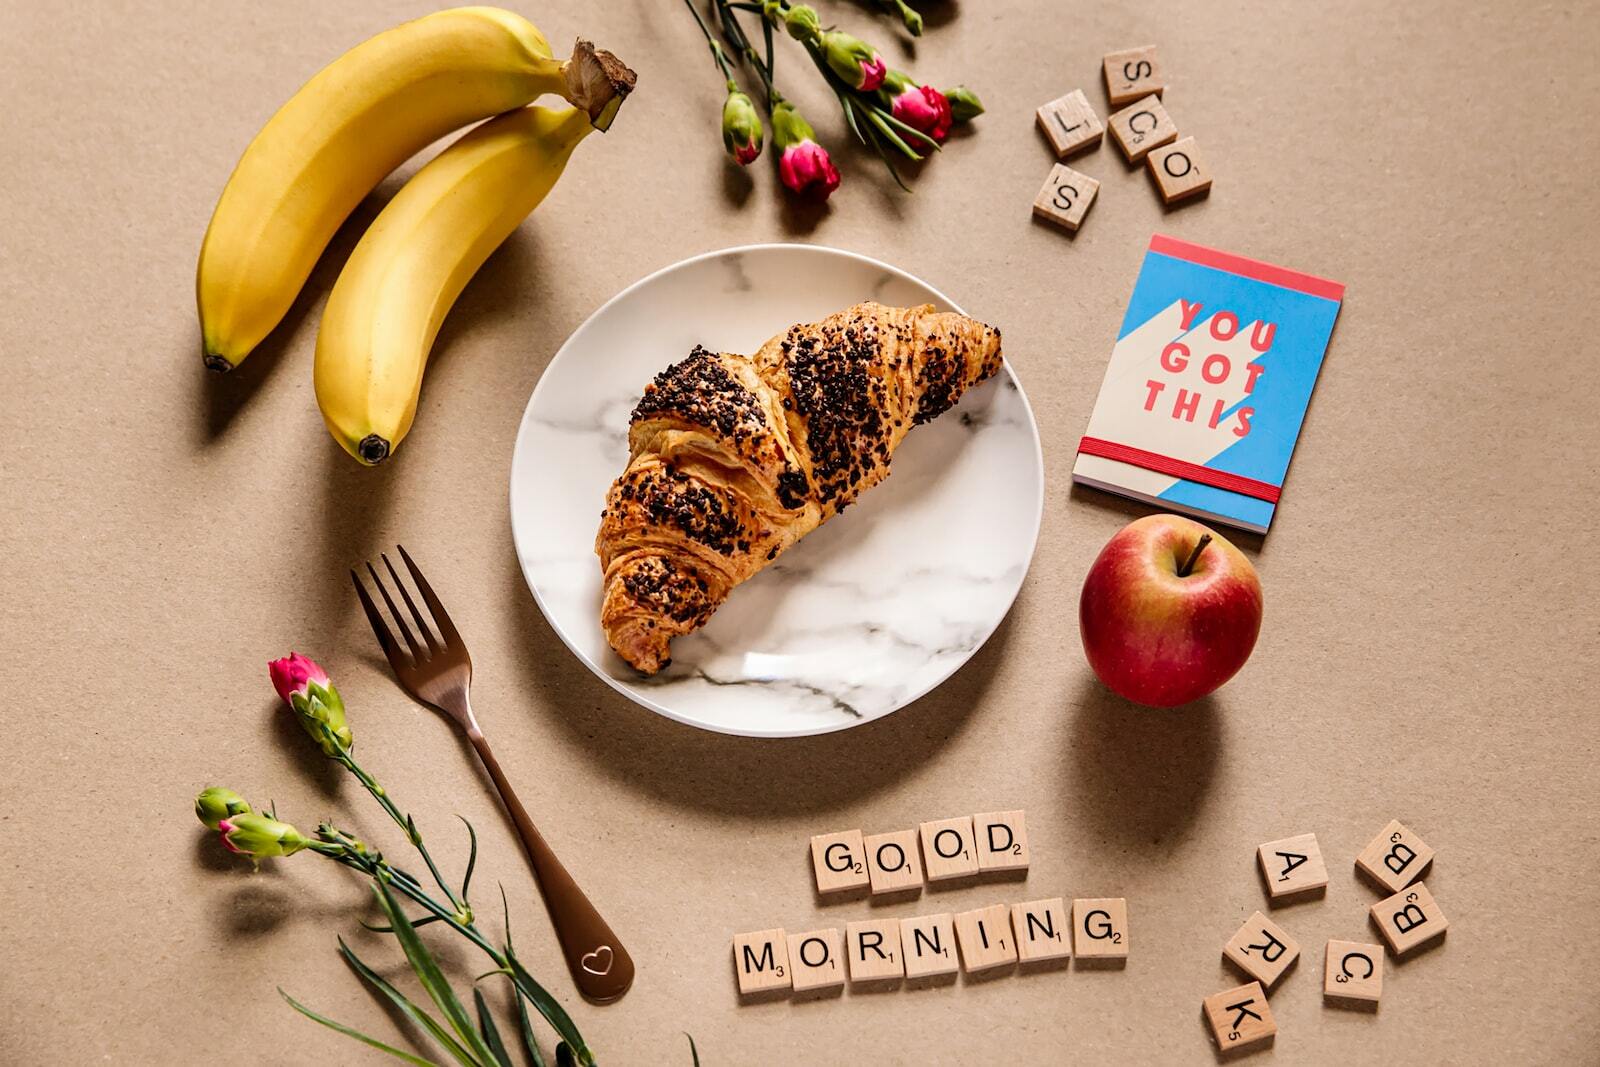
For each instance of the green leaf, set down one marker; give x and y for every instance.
(427, 1022)
(548, 1006)
(876, 118)
(472, 860)
(428, 973)
(528, 1041)
(348, 1031)
(694, 1052)
(424, 921)
(491, 1033)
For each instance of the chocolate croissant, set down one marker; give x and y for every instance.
(735, 458)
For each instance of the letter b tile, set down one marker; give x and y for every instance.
(1409, 918)
(1396, 857)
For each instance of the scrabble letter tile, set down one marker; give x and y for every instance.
(948, 850)
(1132, 74)
(1409, 918)
(1100, 927)
(1179, 171)
(840, 861)
(893, 863)
(928, 943)
(1292, 865)
(1396, 857)
(762, 961)
(1002, 838)
(1353, 971)
(1140, 127)
(1262, 949)
(1065, 197)
(1240, 1016)
(815, 959)
(1070, 124)
(874, 950)
(1040, 929)
(985, 936)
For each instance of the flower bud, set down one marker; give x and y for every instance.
(922, 107)
(801, 21)
(216, 803)
(856, 63)
(964, 104)
(741, 127)
(260, 837)
(305, 687)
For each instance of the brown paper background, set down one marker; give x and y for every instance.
(1431, 583)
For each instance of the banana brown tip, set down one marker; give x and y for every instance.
(218, 364)
(373, 449)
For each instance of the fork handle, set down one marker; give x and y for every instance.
(600, 966)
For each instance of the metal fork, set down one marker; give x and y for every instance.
(438, 672)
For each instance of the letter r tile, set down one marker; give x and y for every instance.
(1262, 949)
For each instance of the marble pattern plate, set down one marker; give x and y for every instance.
(861, 617)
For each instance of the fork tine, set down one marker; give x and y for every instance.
(380, 629)
(441, 618)
(416, 650)
(434, 644)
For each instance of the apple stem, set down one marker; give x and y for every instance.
(1188, 564)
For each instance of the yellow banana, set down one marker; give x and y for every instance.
(409, 267)
(349, 126)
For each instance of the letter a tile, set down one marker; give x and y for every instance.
(1262, 949)
(1293, 865)
(1396, 857)
(1409, 918)
(762, 961)
(1240, 1016)
(840, 861)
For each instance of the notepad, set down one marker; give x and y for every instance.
(1208, 384)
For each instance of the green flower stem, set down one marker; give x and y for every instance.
(736, 36)
(716, 48)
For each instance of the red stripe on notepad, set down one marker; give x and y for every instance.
(1178, 468)
(1248, 268)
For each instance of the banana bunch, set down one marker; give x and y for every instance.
(329, 147)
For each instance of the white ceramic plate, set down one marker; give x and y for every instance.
(859, 619)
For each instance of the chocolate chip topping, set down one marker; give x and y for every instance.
(657, 583)
(699, 390)
(704, 514)
(831, 380)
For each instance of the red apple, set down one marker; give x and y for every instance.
(1169, 611)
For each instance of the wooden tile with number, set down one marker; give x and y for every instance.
(816, 959)
(1292, 865)
(985, 937)
(1409, 918)
(1353, 971)
(1065, 197)
(1132, 73)
(1396, 857)
(1070, 124)
(1100, 927)
(1002, 840)
(873, 950)
(948, 850)
(1262, 949)
(1042, 930)
(1179, 171)
(762, 961)
(928, 943)
(840, 861)
(1140, 127)
(1240, 1016)
(894, 862)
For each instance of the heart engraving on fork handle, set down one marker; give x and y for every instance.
(599, 961)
